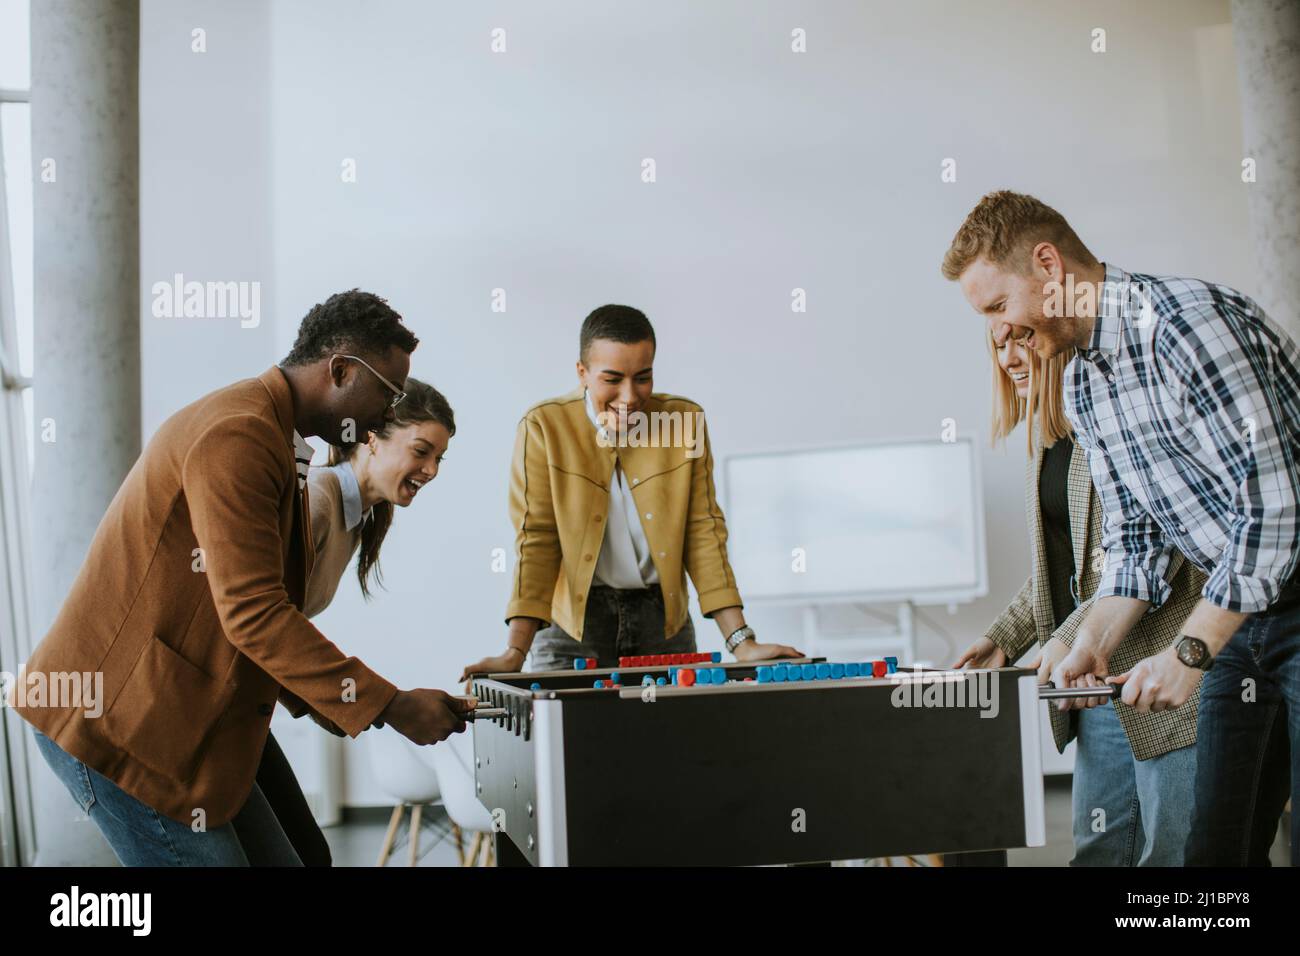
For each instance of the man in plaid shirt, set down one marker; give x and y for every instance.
(1187, 399)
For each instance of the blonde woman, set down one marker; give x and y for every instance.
(1133, 772)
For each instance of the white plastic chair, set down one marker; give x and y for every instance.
(400, 769)
(453, 761)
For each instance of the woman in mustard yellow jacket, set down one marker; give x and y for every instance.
(613, 504)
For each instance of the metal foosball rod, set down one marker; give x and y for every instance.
(1050, 691)
(483, 713)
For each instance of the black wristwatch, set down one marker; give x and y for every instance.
(1193, 652)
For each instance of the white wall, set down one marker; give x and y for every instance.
(775, 170)
(205, 192)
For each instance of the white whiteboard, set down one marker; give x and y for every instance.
(876, 522)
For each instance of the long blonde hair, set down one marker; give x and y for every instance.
(1045, 407)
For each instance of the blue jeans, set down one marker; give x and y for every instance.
(1127, 811)
(141, 836)
(618, 623)
(1248, 741)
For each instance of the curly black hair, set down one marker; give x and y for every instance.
(351, 322)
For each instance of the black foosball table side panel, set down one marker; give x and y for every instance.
(788, 777)
(506, 772)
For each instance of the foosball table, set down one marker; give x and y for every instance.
(744, 764)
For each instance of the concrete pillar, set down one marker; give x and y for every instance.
(85, 118)
(1266, 34)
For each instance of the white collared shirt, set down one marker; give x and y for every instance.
(350, 493)
(625, 560)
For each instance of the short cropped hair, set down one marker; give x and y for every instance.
(618, 323)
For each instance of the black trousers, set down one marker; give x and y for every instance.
(278, 784)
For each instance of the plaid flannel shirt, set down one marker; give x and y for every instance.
(1187, 400)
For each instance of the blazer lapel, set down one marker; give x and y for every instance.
(274, 381)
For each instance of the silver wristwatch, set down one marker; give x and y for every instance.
(738, 637)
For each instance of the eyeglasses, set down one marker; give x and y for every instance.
(398, 394)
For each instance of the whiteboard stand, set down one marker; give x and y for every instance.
(862, 643)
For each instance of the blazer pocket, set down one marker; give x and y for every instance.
(166, 712)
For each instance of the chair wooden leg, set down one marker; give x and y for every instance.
(415, 834)
(393, 821)
(460, 843)
(490, 857)
(472, 855)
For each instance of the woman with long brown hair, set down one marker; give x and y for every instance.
(352, 501)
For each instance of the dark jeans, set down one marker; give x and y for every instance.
(1248, 741)
(618, 623)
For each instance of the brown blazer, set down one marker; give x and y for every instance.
(1028, 619)
(194, 655)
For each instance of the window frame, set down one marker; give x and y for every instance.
(17, 821)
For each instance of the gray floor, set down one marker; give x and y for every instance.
(357, 841)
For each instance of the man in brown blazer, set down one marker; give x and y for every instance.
(187, 611)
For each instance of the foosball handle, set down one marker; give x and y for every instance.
(1050, 691)
(483, 713)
